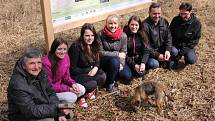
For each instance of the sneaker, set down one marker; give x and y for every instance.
(173, 64)
(83, 103)
(112, 88)
(127, 82)
(91, 96)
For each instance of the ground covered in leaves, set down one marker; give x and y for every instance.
(192, 87)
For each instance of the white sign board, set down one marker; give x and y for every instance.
(60, 15)
(68, 11)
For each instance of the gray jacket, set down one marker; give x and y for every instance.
(30, 97)
(112, 48)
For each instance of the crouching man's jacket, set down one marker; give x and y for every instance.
(186, 34)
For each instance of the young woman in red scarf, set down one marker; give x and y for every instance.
(113, 50)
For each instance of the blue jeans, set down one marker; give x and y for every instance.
(134, 72)
(111, 65)
(189, 57)
(153, 62)
(45, 119)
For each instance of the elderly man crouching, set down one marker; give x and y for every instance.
(30, 96)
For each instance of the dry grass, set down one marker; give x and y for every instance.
(192, 87)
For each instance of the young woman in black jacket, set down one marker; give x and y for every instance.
(84, 60)
(137, 54)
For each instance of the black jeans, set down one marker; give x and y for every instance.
(91, 82)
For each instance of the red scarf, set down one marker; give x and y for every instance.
(114, 36)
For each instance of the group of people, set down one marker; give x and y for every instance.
(67, 74)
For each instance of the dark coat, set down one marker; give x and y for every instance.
(137, 52)
(159, 35)
(186, 34)
(30, 97)
(79, 64)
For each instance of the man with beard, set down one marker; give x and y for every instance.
(186, 32)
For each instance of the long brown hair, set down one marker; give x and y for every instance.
(140, 31)
(95, 46)
(52, 56)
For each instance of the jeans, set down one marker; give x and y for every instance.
(152, 63)
(45, 119)
(134, 72)
(70, 97)
(189, 57)
(111, 65)
(91, 82)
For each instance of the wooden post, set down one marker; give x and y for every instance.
(47, 22)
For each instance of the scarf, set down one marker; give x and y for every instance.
(113, 36)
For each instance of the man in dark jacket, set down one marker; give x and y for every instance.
(30, 96)
(186, 32)
(160, 39)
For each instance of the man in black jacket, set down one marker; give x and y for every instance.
(30, 96)
(186, 32)
(160, 39)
